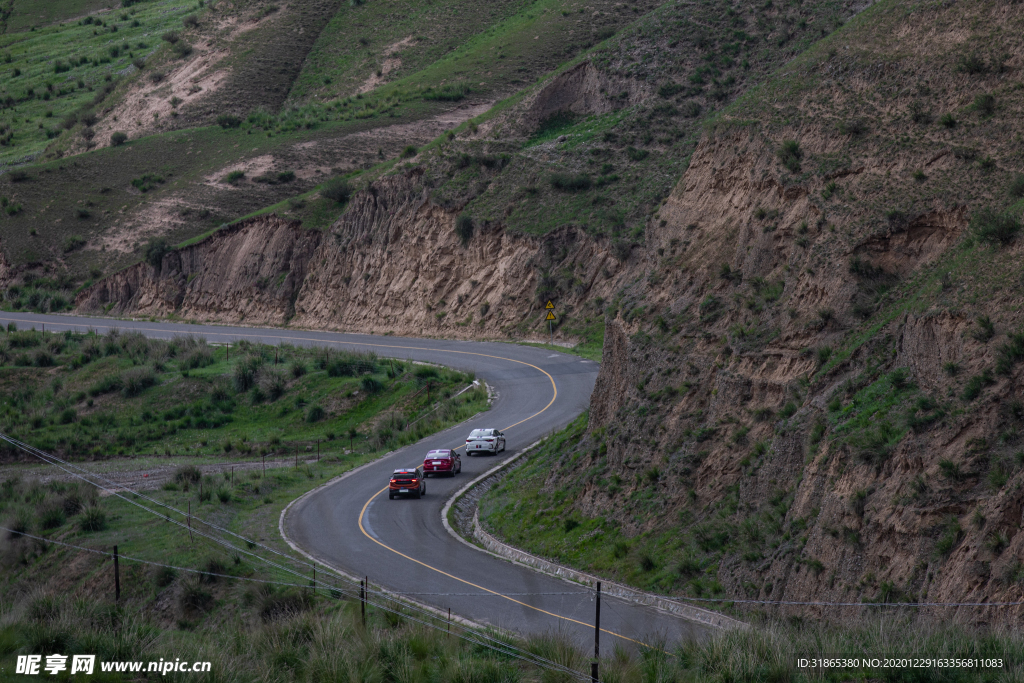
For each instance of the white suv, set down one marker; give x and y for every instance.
(485, 441)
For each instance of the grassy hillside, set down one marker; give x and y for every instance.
(811, 389)
(91, 396)
(60, 74)
(249, 619)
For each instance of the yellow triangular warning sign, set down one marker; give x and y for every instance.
(550, 305)
(551, 316)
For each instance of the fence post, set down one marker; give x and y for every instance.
(117, 578)
(362, 600)
(597, 637)
(190, 522)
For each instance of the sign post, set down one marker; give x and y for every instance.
(551, 317)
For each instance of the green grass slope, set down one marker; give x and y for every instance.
(94, 396)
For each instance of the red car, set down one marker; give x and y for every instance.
(443, 461)
(407, 482)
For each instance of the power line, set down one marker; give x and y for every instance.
(114, 490)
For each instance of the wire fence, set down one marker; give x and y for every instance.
(341, 586)
(385, 601)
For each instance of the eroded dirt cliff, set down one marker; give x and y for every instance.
(250, 272)
(393, 263)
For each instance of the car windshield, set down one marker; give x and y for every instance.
(437, 456)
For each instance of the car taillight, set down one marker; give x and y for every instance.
(488, 440)
(394, 481)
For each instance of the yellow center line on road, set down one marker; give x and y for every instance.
(362, 512)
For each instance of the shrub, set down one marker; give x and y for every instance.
(571, 183)
(919, 114)
(187, 474)
(948, 120)
(171, 37)
(976, 383)
(447, 93)
(1010, 354)
(986, 329)
(286, 176)
(244, 377)
(190, 20)
(74, 242)
(147, 182)
(182, 49)
(669, 89)
(853, 127)
(1016, 186)
(997, 228)
(234, 177)
(283, 604)
(223, 495)
(193, 596)
(315, 414)
(272, 383)
(635, 154)
(790, 155)
(164, 576)
(337, 190)
(297, 368)
(985, 104)
(93, 519)
(135, 381)
(971, 64)
(372, 385)
(875, 445)
(950, 537)
(464, 228)
(52, 516)
(226, 121)
(155, 252)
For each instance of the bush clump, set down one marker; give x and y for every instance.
(464, 228)
(568, 182)
(337, 190)
(790, 155)
(994, 227)
(93, 519)
(447, 93)
(136, 380)
(117, 138)
(226, 121)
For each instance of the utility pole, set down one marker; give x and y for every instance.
(597, 637)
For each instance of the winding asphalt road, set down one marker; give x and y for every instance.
(402, 544)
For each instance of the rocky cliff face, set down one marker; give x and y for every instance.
(250, 272)
(837, 461)
(393, 263)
